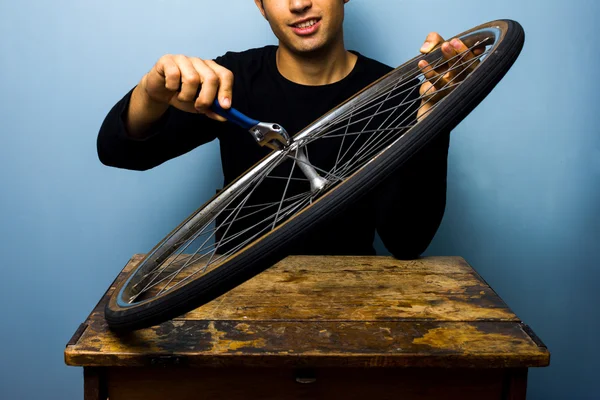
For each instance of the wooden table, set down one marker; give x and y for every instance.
(323, 328)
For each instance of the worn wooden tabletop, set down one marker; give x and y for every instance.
(330, 312)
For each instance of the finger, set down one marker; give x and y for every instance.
(441, 66)
(190, 79)
(460, 57)
(427, 90)
(433, 84)
(167, 67)
(423, 110)
(449, 54)
(431, 75)
(465, 56)
(210, 85)
(431, 94)
(225, 94)
(478, 50)
(462, 50)
(211, 114)
(432, 40)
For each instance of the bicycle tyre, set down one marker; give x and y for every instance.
(272, 246)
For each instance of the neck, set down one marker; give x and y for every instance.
(321, 67)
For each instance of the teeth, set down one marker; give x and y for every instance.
(307, 23)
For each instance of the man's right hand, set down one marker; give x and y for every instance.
(176, 80)
(187, 83)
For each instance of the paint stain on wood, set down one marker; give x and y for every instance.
(471, 340)
(222, 344)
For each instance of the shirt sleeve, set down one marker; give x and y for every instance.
(410, 204)
(176, 133)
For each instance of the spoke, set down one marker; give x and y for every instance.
(287, 211)
(229, 239)
(173, 274)
(386, 89)
(266, 208)
(337, 159)
(260, 179)
(373, 152)
(290, 210)
(363, 132)
(369, 152)
(393, 108)
(367, 101)
(165, 265)
(236, 214)
(373, 138)
(224, 235)
(370, 119)
(367, 144)
(287, 184)
(158, 271)
(315, 167)
(288, 178)
(409, 75)
(347, 166)
(202, 247)
(268, 204)
(362, 106)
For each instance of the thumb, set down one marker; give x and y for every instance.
(225, 92)
(432, 40)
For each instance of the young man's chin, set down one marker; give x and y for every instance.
(306, 49)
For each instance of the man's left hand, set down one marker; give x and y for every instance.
(442, 79)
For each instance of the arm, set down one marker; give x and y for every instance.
(166, 114)
(410, 204)
(175, 133)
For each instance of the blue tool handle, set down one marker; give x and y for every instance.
(233, 115)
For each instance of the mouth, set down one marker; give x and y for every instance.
(306, 26)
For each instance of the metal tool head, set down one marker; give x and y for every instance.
(271, 135)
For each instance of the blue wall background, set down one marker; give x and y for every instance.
(523, 197)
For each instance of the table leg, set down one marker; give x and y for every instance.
(515, 384)
(94, 384)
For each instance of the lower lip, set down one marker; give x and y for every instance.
(306, 31)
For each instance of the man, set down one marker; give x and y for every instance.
(309, 73)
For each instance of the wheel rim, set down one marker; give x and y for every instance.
(360, 129)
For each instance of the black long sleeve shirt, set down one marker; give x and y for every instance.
(406, 209)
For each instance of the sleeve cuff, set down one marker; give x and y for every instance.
(122, 133)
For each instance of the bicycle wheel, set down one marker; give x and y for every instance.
(253, 222)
